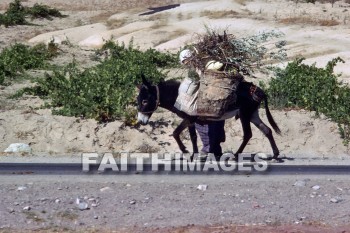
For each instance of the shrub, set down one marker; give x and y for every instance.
(16, 13)
(106, 91)
(43, 11)
(315, 89)
(14, 60)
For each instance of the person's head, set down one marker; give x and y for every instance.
(185, 55)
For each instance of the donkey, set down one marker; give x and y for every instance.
(246, 108)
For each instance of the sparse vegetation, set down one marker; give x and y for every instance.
(116, 23)
(314, 1)
(158, 16)
(218, 14)
(242, 2)
(160, 23)
(102, 17)
(18, 58)
(170, 35)
(315, 89)
(103, 92)
(129, 116)
(16, 13)
(180, 16)
(43, 11)
(309, 21)
(78, 23)
(23, 135)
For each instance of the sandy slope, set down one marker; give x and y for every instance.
(164, 29)
(169, 30)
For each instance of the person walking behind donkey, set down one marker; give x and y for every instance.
(213, 133)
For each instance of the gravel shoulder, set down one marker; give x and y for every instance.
(162, 201)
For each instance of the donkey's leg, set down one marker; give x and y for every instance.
(266, 131)
(176, 134)
(247, 130)
(193, 136)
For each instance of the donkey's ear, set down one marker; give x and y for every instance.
(145, 82)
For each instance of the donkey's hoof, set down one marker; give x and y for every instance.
(191, 158)
(264, 156)
(234, 158)
(278, 159)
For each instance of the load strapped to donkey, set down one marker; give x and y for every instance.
(213, 76)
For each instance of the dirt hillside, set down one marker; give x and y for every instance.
(318, 32)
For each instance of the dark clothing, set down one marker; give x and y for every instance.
(212, 135)
(203, 134)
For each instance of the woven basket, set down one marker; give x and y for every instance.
(216, 92)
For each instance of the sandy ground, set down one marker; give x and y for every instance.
(87, 28)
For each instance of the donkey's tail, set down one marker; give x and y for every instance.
(270, 118)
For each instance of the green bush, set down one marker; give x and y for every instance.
(105, 91)
(315, 89)
(14, 60)
(43, 11)
(16, 13)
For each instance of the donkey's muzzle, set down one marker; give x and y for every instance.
(142, 118)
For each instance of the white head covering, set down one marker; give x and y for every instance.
(185, 54)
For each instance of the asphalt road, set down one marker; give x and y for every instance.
(76, 169)
(74, 166)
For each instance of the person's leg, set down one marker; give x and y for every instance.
(216, 133)
(203, 134)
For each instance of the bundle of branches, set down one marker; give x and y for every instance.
(236, 54)
(214, 47)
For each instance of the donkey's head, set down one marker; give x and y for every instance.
(147, 101)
